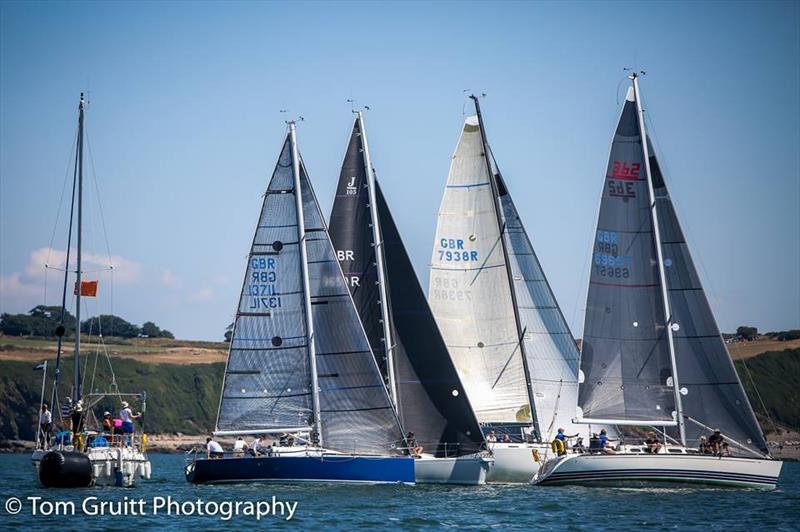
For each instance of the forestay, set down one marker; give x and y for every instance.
(715, 396)
(469, 289)
(625, 356)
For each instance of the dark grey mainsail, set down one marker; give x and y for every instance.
(625, 358)
(430, 398)
(269, 376)
(715, 396)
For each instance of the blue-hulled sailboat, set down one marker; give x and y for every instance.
(300, 364)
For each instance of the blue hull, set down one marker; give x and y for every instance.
(302, 468)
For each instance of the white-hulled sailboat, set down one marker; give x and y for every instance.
(409, 349)
(508, 338)
(88, 454)
(652, 353)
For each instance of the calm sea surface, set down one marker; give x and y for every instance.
(349, 507)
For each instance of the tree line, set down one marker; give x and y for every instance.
(43, 320)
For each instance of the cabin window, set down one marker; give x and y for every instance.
(675, 451)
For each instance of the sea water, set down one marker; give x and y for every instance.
(167, 501)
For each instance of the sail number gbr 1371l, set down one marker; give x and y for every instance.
(260, 287)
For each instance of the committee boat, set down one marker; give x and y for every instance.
(299, 362)
(84, 453)
(499, 317)
(420, 377)
(652, 353)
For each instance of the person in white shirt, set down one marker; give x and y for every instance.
(214, 449)
(127, 416)
(239, 447)
(45, 422)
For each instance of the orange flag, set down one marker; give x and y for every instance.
(88, 288)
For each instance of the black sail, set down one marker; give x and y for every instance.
(431, 400)
(350, 230)
(715, 396)
(625, 356)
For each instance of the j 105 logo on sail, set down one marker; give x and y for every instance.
(351, 189)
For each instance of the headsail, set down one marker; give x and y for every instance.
(715, 396)
(549, 345)
(625, 357)
(267, 383)
(470, 292)
(431, 401)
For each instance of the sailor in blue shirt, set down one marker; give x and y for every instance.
(604, 439)
(560, 442)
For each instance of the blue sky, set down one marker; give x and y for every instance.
(184, 127)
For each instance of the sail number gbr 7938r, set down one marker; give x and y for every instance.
(452, 250)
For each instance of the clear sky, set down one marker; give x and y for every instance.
(184, 127)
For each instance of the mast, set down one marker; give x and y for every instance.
(377, 238)
(509, 273)
(316, 436)
(659, 255)
(76, 393)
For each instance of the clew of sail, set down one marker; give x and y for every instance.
(469, 290)
(715, 396)
(268, 379)
(625, 357)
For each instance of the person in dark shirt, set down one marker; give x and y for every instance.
(108, 423)
(413, 445)
(653, 445)
(715, 441)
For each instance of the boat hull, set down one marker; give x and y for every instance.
(110, 466)
(467, 470)
(325, 468)
(683, 468)
(514, 462)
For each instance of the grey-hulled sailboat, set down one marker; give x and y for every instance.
(300, 364)
(414, 361)
(652, 353)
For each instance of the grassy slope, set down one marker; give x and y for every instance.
(776, 375)
(183, 398)
(180, 398)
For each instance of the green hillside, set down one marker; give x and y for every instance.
(180, 398)
(184, 398)
(776, 375)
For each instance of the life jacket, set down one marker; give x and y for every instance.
(558, 446)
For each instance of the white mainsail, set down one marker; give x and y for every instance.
(469, 289)
(471, 296)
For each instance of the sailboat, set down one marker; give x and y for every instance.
(422, 382)
(652, 352)
(497, 313)
(299, 363)
(87, 455)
